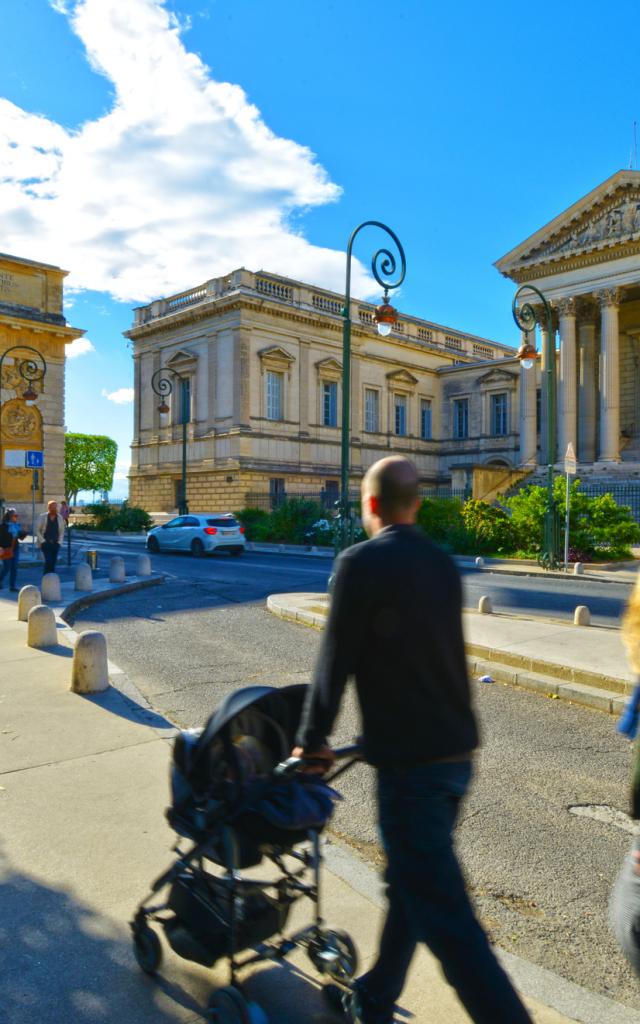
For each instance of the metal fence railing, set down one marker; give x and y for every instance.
(624, 493)
(267, 502)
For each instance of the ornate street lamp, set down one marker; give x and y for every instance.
(383, 266)
(32, 369)
(526, 317)
(163, 387)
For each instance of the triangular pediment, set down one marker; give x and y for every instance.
(609, 216)
(332, 365)
(497, 377)
(181, 356)
(402, 377)
(276, 354)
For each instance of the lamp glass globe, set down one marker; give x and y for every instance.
(527, 363)
(384, 329)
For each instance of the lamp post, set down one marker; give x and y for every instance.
(383, 265)
(526, 317)
(32, 369)
(163, 387)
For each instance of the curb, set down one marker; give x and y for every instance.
(87, 600)
(559, 682)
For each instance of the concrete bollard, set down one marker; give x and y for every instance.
(84, 578)
(578, 569)
(28, 598)
(143, 565)
(50, 587)
(582, 616)
(90, 673)
(485, 606)
(116, 570)
(41, 627)
(480, 562)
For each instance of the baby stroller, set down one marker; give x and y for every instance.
(236, 796)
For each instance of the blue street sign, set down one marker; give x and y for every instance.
(34, 460)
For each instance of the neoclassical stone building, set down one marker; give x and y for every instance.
(262, 356)
(31, 319)
(586, 262)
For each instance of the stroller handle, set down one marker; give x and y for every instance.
(350, 753)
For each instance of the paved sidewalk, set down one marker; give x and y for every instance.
(83, 787)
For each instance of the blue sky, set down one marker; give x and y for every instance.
(160, 144)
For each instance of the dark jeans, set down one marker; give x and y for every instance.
(50, 553)
(10, 566)
(428, 902)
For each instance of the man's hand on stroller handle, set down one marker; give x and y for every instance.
(317, 762)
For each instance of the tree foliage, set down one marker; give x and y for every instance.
(89, 463)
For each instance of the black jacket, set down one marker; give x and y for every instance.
(395, 623)
(7, 538)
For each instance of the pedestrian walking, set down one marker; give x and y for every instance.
(65, 511)
(10, 536)
(50, 534)
(395, 624)
(624, 908)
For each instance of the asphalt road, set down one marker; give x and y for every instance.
(540, 874)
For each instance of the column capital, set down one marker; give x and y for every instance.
(541, 317)
(567, 307)
(587, 310)
(609, 297)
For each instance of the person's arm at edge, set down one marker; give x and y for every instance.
(336, 660)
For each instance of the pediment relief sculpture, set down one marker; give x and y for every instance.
(615, 221)
(20, 421)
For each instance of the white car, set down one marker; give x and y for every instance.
(201, 535)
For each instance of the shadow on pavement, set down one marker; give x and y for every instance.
(118, 703)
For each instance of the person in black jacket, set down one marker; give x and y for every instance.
(395, 624)
(10, 536)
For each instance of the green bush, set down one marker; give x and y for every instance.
(441, 519)
(489, 526)
(125, 517)
(289, 523)
(256, 523)
(598, 526)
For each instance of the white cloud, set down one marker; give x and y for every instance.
(123, 396)
(180, 181)
(78, 347)
(121, 471)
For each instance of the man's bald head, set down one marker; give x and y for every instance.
(390, 492)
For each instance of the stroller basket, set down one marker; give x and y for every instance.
(201, 926)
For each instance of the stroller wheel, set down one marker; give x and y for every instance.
(334, 953)
(147, 949)
(228, 1006)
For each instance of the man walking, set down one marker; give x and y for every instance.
(395, 624)
(50, 533)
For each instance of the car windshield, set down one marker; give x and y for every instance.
(227, 521)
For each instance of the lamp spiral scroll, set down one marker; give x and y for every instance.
(162, 384)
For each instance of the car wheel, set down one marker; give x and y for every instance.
(197, 548)
(152, 545)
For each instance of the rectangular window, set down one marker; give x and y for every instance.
(400, 406)
(425, 419)
(181, 401)
(371, 410)
(499, 415)
(460, 418)
(329, 404)
(274, 395)
(276, 491)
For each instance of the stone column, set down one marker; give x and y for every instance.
(586, 382)
(544, 333)
(609, 299)
(528, 438)
(567, 391)
(303, 386)
(241, 376)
